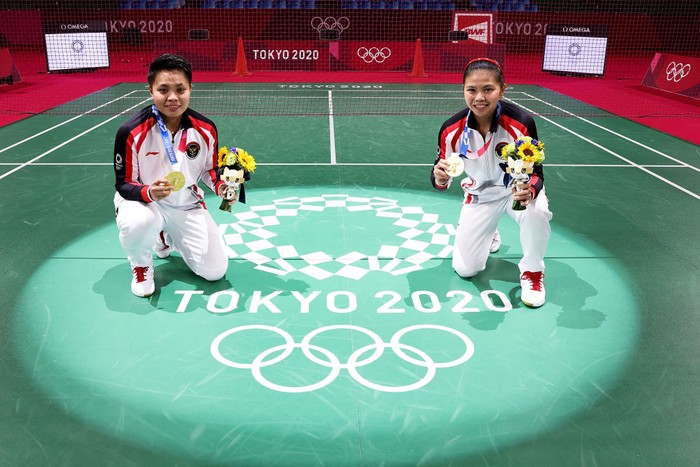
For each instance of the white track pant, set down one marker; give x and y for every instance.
(193, 233)
(477, 226)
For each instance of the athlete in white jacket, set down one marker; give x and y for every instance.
(160, 155)
(477, 134)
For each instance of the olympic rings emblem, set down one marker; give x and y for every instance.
(330, 23)
(677, 71)
(77, 46)
(574, 49)
(374, 54)
(330, 360)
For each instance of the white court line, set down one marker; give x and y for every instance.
(619, 135)
(622, 158)
(70, 140)
(67, 121)
(333, 149)
(331, 126)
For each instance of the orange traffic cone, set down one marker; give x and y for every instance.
(418, 65)
(241, 64)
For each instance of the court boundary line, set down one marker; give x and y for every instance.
(333, 155)
(619, 135)
(613, 153)
(125, 96)
(331, 127)
(40, 156)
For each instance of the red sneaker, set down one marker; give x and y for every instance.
(143, 284)
(532, 288)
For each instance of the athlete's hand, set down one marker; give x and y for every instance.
(439, 171)
(229, 193)
(160, 189)
(522, 192)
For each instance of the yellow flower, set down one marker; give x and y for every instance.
(247, 161)
(236, 159)
(222, 155)
(524, 148)
(508, 150)
(529, 152)
(231, 159)
(226, 157)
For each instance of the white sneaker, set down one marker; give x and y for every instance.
(142, 284)
(495, 242)
(532, 289)
(162, 249)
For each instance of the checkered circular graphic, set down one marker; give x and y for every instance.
(421, 238)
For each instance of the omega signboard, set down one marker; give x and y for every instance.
(76, 45)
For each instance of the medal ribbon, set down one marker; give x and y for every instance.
(464, 139)
(165, 136)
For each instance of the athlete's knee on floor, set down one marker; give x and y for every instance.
(466, 272)
(213, 274)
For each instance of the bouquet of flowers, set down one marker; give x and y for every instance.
(522, 155)
(235, 166)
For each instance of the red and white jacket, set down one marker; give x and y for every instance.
(485, 177)
(140, 158)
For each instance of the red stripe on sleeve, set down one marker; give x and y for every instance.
(458, 129)
(144, 194)
(513, 126)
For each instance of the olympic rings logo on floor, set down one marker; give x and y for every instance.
(331, 361)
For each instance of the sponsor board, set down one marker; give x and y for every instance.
(479, 26)
(674, 73)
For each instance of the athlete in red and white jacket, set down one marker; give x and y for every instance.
(478, 133)
(140, 159)
(486, 178)
(160, 155)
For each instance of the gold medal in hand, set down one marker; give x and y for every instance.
(456, 165)
(176, 179)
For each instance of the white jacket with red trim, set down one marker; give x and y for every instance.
(140, 158)
(485, 177)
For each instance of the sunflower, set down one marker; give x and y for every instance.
(530, 152)
(227, 157)
(524, 148)
(246, 160)
(235, 158)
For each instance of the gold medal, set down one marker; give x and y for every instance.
(456, 165)
(176, 179)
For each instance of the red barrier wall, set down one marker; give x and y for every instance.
(520, 32)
